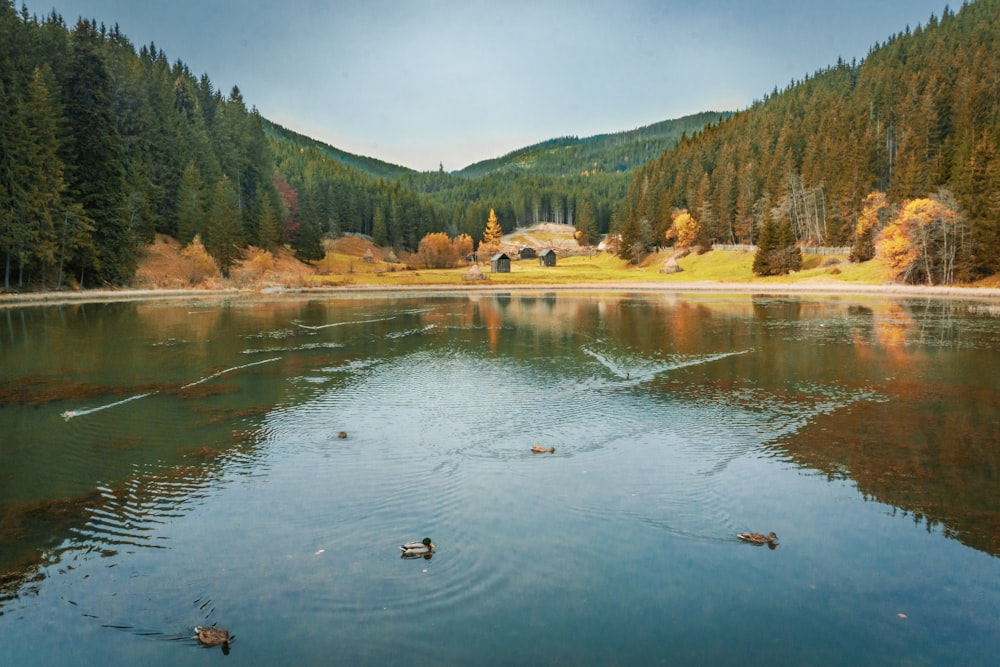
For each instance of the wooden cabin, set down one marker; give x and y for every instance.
(527, 252)
(547, 257)
(500, 263)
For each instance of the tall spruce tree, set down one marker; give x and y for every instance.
(94, 156)
(222, 229)
(190, 206)
(42, 171)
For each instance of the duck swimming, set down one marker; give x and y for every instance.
(414, 549)
(538, 449)
(209, 635)
(758, 538)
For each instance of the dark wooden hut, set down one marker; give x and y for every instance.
(500, 263)
(527, 252)
(547, 257)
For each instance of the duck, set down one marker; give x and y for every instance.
(758, 538)
(413, 549)
(210, 635)
(538, 449)
(342, 435)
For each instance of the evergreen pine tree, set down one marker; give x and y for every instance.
(766, 243)
(308, 241)
(190, 209)
(222, 231)
(379, 231)
(42, 172)
(94, 155)
(269, 228)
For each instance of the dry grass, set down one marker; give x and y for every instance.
(164, 266)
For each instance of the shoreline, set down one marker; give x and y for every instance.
(763, 289)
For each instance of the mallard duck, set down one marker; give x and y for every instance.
(538, 449)
(209, 635)
(758, 538)
(414, 549)
(342, 435)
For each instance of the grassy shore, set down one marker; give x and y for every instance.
(346, 269)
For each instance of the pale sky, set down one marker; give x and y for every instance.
(418, 83)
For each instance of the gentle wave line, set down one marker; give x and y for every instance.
(340, 324)
(71, 414)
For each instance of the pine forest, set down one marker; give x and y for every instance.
(104, 144)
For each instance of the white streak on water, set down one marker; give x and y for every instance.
(645, 370)
(230, 370)
(70, 414)
(340, 324)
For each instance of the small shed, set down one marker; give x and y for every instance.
(527, 252)
(369, 257)
(547, 257)
(500, 263)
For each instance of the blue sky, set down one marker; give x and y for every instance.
(454, 82)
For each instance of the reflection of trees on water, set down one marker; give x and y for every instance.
(930, 444)
(38, 535)
(932, 450)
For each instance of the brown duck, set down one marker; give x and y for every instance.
(758, 538)
(210, 635)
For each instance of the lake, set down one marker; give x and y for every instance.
(178, 462)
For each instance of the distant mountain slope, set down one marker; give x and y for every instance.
(368, 165)
(563, 156)
(615, 152)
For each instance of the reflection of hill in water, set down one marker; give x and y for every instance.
(55, 533)
(932, 451)
(929, 446)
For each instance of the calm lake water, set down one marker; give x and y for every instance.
(166, 464)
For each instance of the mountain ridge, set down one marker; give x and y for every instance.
(609, 151)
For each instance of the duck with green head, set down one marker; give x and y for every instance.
(417, 549)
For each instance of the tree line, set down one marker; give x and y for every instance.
(104, 145)
(918, 118)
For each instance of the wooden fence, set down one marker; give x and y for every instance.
(806, 250)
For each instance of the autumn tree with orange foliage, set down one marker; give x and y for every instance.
(200, 264)
(463, 246)
(684, 230)
(928, 241)
(436, 251)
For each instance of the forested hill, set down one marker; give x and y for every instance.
(369, 165)
(918, 118)
(615, 152)
(104, 144)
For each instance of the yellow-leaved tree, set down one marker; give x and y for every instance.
(493, 233)
(684, 230)
(926, 241)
